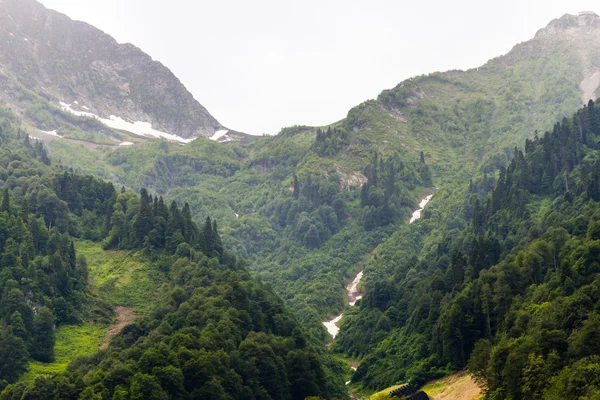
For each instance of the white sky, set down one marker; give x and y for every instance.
(260, 65)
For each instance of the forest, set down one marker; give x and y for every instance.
(213, 331)
(513, 296)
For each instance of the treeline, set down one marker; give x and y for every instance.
(381, 197)
(146, 222)
(514, 296)
(330, 142)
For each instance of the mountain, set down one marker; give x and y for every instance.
(502, 256)
(441, 129)
(50, 64)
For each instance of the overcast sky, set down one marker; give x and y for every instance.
(260, 65)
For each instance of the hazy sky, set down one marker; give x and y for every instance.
(264, 64)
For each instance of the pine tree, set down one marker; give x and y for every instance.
(24, 210)
(208, 236)
(5, 206)
(13, 356)
(217, 239)
(296, 187)
(174, 234)
(43, 336)
(18, 327)
(143, 222)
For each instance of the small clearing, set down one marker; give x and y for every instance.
(125, 316)
(460, 386)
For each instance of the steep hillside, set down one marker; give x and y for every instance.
(511, 294)
(205, 327)
(50, 63)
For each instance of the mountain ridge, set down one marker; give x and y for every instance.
(71, 61)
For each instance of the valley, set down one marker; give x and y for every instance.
(353, 294)
(441, 235)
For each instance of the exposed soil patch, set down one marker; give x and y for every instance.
(125, 316)
(460, 386)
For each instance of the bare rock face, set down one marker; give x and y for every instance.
(59, 59)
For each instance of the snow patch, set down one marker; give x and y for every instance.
(85, 108)
(75, 102)
(139, 128)
(218, 135)
(352, 289)
(125, 144)
(417, 214)
(52, 133)
(331, 326)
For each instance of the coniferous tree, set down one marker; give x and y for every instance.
(296, 187)
(14, 356)
(5, 206)
(143, 221)
(208, 237)
(43, 336)
(217, 239)
(18, 327)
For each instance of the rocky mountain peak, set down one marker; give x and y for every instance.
(46, 54)
(570, 24)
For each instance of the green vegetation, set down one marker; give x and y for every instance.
(512, 295)
(486, 280)
(207, 329)
(72, 342)
(441, 129)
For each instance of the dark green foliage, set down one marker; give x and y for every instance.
(13, 353)
(215, 333)
(330, 142)
(42, 348)
(513, 296)
(382, 196)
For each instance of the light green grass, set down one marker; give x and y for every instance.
(435, 388)
(71, 342)
(123, 278)
(384, 394)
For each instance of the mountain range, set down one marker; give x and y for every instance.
(501, 260)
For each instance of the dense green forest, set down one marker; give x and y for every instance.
(513, 295)
(213, 331)
(292, 205)
(288, 206)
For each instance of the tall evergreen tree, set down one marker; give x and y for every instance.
(43, 336)
(5, 206)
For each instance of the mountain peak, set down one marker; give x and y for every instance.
(570, 23)
(50, 56)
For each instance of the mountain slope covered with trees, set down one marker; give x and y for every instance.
(212, 331)
(291, 205)
(512, 295)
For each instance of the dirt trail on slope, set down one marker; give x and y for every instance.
(125, 316)
(459, 386)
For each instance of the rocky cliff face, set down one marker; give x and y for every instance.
(45, 56)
